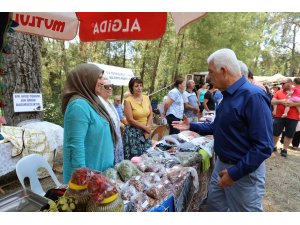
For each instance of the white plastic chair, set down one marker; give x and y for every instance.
(28, 167)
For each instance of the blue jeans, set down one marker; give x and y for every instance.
(245, 195)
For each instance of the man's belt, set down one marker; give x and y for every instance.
(227, 161)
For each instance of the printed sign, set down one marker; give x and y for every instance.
(96, 26)
(118, 76)
(27, 102)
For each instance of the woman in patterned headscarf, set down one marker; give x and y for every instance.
(89, 133)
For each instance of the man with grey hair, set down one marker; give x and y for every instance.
(244, 68)
(242, 137)
(191, 104)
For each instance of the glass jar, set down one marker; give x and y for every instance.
(80, 194)
(111, 204)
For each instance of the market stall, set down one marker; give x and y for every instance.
(171, 176)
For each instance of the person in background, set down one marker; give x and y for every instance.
(242, 137)
(244, 69)
(275, 89)
(209, 99)
(249, 75)
(174, 106)
(200, 93)
(293, 96)
(296, 137)
(138, 112)
(253, 81)
(126, 95)
(89, 133)
(104, 92)
(161, 110)
(118, 107)
(191, 103)
(269, 93)
(288, 123)
(218, 96)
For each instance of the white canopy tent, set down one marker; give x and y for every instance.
(277, 78)
(119, 76)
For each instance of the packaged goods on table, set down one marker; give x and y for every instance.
(188, 159)
(137, 183)
(112, 174)
(127, 191)
(104, 196)
(127, 169)
(188, 147)
(140, 202)
(188, 135)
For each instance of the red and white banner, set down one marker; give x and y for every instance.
(121, 26)
(94, 26)
(58, 25)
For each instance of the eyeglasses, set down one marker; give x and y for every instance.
(107, 86)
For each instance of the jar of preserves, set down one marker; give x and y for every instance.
(113, 203)
(80, 194)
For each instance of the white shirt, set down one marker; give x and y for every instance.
(177, 107)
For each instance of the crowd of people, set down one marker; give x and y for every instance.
(249, 119)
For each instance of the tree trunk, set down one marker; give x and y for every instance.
(178, 58)
(64, 62)
(22, 74)
(292, 66)
(142, 73)
(154, 74)
(108, 53)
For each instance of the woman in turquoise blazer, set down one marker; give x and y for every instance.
(89, 133)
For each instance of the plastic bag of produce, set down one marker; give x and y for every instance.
(127, 191)
(137, 183)
(157, 191)
(149, 179)
(127, 169)
(188, 159)
(112, 174)
(140, 202)
(100, 188)
(81, 176)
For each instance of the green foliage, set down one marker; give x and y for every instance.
(53, 112)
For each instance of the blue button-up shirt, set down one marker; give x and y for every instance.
(242, 129)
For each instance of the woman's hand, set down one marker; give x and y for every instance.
(148, 129)
(146, 135)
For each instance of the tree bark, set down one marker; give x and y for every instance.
(179, 57)
(142, 73)
(154, 74)
(22, 74)
(292, 66)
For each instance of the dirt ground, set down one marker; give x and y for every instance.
(282, 182)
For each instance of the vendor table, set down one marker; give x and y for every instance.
(7, 163)
(188, 201)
